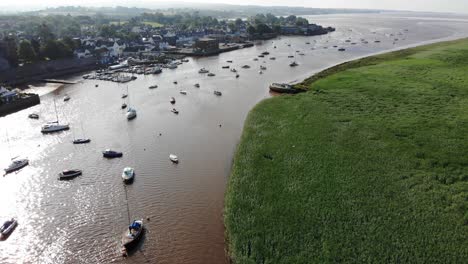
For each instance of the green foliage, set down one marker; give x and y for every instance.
(369, 166)
(53, 49)
(26, 52)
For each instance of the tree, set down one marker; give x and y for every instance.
(263, 28)
(26, 52)
(251, 30)
(69, 43)
(45, 33)
(50, 50)
(36, 46)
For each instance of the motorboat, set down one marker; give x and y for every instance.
(131, 113)
(197, 85)
(342, 49)
(132, 235)
(272, 58)
(260, 72)
(81, 141)
(302, 54)
(7, 228)
(265, 53)
(153, 86)
(203, 70)
(16, 165)
(174, 158)
(66, 98)
(175, 82)
(261, 56)
(172, 100)
(229, 61)
(124, 96)
(283, 88)
(69, 174)
(211, 74)
(128, 174)
(262, 67)
(237, 75)
(290, 56)
(225, 67)
(33, 116)
(111, 154)
(307, 43)
(293, 64)
(218, 93)
(183, 92)
(255, 59)
(233, 70)
(54, 127)
(246, 66)
(124, 105)
(175, 111)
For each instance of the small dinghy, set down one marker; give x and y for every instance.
(128, 175)
(175, 111)
(153, 86)
(233, 70)
(111, 154)
(33, 116)
(183, 92)
(66, 98)
(197, 85)
(124, 105)
(172, 100)
(174, 158)
(217, 93)
(124, 95)
(69, 174)
(7, 228)
(17, 165)
(293, 64)
(175, 82)
(81, 141)
(237, 75)
(132, 235)
(131, 114)
(211, 74)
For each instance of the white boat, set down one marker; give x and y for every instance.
(233, 70)
(7, 228)
(55, 126)
(131, 113)
(172, 100)
(66, 98)
(183, 92)
(203, 70)
(128, 175)
(17, 165)
(174, 158)
(69, 174)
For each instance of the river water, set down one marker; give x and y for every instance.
(81, 221)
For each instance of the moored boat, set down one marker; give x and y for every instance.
(183, 92)
(66, 98)
(16, 165)
(175, 111)
(283, 88)
(211, 74)
(174, 158)
(293, 64)
(132, 235)
(7, 228)
(131, 113)
(128, 175)
(197, 85)
(69, 174)
(81, 141)
(33, 116)
(217, 93)
(153, 86)
(111, 154)
(203, 70)
(173, 101)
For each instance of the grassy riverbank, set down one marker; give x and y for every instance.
(370, 165)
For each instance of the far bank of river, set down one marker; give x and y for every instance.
(184, 202)
(360, 167)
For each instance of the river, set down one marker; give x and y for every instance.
(81, 221)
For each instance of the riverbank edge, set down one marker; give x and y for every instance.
(307, 85)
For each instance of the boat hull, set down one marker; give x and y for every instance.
(16, 168)
(70, 176)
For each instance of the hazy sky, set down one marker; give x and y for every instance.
(458, 6)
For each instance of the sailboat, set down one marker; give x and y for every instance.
(131, 112)
(16, 164)
(81, 140)
(55, 126)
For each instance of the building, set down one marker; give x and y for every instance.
(7, 96)
(206, 45)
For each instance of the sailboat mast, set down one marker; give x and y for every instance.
(56, 113)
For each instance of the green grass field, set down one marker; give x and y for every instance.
(369, 166)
